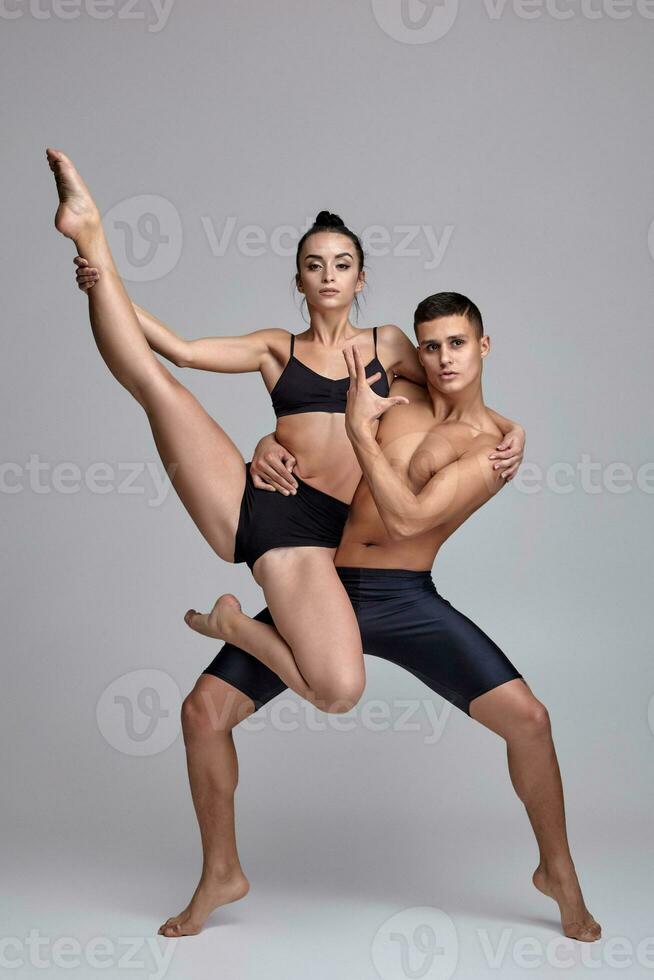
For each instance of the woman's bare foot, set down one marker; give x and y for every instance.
(219, 622)
(564, 888)
(211, 892)
(77, 212)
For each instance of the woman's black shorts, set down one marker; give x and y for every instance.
(402, 618)
(271, 520)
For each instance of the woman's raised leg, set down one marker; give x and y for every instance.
(203, 464)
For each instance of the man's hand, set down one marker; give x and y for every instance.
(272, 467)
(364, 406)
(510, 453)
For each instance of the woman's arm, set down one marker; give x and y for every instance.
(224, 354)
(400, 355)
(512, 447)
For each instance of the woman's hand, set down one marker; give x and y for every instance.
(272, 467)
(510, 453)
(86, 276)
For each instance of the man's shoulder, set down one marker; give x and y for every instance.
(416, 394)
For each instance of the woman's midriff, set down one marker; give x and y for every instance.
(324, 454)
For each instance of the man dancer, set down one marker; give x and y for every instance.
(424, 474)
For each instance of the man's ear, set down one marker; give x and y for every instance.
(485, 345)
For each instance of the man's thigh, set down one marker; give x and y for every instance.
(441, 646)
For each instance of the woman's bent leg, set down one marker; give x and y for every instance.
(205, 467)
(314, 615)
(316, 647)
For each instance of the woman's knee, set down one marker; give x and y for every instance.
(212, 708)
(340, 692)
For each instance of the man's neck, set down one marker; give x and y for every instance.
(464, 406)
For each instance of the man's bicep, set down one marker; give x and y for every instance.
(466, 483)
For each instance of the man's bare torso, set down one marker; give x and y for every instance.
(417, 446)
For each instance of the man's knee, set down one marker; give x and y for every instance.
(213, 707)
(532, 718)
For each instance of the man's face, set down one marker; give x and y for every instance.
(451, 353)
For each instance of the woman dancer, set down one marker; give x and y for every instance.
(288, 542)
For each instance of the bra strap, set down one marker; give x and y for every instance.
(292, 344)
(374, 337)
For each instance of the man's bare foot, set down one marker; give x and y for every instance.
(576, 920)
(209, 895)
(219, 622)
(77, 212)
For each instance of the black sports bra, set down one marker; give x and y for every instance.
(301, 389)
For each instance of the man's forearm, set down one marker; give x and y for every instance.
(396, 502)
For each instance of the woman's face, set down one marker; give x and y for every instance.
(329, 273)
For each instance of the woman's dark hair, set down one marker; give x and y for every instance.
(448, 304)
(326, 221)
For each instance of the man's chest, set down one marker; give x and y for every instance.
(417, 454)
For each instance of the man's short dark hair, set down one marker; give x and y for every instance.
(448, 304)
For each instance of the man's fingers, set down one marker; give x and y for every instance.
(349, 360)
(78, 260)
(358, 364)
(261, 484)
(277, 474)
(505, 454)
(374, 377)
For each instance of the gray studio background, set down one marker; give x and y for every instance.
(504, 151)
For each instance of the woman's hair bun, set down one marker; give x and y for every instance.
(328, 220)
